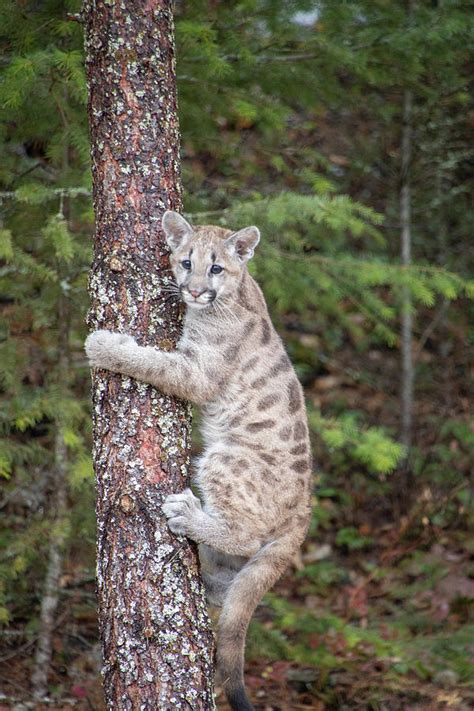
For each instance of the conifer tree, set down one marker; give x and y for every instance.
(157, 641)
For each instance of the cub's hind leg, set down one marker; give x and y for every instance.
(218, 571)
(217, 584)
(186, 517)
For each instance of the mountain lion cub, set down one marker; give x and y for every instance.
(254, 475)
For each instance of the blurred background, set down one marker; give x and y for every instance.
(344, 131)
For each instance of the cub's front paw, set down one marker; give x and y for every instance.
(103, 348)
(182, 511)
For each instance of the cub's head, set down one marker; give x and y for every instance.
(207, 262)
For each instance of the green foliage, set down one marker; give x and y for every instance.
(45, 252)
(6, 246)
(370, 447)
(351, 539)
(323, 575)
(57, 234)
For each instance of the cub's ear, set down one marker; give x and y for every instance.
(175, 228)
(243, 242)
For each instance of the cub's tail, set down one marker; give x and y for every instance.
(243, 596)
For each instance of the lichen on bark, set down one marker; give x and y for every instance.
(156, 634)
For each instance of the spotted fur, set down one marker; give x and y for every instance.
(254, 474)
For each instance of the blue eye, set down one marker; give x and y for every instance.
(186, 263)
(216, 269)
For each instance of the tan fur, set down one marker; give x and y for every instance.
(254, 475)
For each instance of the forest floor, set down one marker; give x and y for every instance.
(378, 619)
(388, 632)
(393, 635)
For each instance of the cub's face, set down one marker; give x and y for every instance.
(207, 262)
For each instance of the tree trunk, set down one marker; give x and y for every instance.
(59, 525)
(59, 518)
(407, 383)
(156, 634)
(50, 597)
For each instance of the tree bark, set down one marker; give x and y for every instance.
(156, 634)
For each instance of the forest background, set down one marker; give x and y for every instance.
(344, 131)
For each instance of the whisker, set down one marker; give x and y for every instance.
(231, 317)
(225, 314)
(217, 310)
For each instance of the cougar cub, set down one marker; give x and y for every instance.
(254, 475)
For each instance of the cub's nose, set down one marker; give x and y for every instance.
(196, 292)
